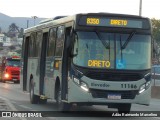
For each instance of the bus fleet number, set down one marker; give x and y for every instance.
(93, 21)
(132, 86)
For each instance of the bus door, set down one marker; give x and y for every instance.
(42, 62)
(49, 64)
(54, 59)
(24, 62)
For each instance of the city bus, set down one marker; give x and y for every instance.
(88, 59)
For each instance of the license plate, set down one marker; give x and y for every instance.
(14, 79)
(114, 96)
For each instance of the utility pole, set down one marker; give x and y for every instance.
(34, 17)
(140, 8)
(27, 23)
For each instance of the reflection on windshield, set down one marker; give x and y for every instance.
(13, 63)
(91, 51)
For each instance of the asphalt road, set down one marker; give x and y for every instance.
(20, 100)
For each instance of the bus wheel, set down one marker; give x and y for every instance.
(34, 99)
(124, 108)
(62, 106)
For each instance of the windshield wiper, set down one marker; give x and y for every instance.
(106, 44)
(128, 39)
(121, 47)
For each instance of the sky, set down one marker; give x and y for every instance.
(52, 8)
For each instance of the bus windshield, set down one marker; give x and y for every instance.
(106, 50)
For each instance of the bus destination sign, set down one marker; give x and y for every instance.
(111, 22)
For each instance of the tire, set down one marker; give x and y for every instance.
(34, 99)
(42, 101)
(62, 106)
(3, 81)
(124, 108)
(16, 82)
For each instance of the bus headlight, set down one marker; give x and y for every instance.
(148, 84)
(81, 84)
(77, 81)
(144, 87)
(84, 86)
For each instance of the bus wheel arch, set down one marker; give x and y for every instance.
(57, 87)
(62, 106)
(34, 99)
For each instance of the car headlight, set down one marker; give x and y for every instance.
(6, 75)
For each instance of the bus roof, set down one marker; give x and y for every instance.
(49, 23)
(52, 22)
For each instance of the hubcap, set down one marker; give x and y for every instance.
(31, 92)
(59, 97)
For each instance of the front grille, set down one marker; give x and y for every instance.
(15, 72)
(104, 93)
(114, 76)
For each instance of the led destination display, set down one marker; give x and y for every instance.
(113, 22)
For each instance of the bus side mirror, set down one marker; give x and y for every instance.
(70, 40)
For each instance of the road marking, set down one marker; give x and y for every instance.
(157, 118)
(26, 92)
(9, 103)
(11, 106)
(23, 106)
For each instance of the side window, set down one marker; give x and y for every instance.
(59, 41)
(38, 44)
(51, 42)
(32, 45)
(25, 45)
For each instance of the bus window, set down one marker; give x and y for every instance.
(59, 41)
(38, 43)
(51, 43)
(32, 45)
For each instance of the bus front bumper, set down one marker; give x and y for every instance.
(78, 95)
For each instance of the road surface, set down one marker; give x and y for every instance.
(20, 101)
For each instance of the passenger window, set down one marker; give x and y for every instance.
(51, 42)
(59, 41)
(32, 45)
(38, 44)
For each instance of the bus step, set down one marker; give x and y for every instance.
(43, 97)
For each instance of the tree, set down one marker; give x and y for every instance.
(156, 30)
(156, 39)
(13, 30)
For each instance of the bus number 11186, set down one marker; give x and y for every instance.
(132, 86)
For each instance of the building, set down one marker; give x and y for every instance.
(1, 39)
(7, 42)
